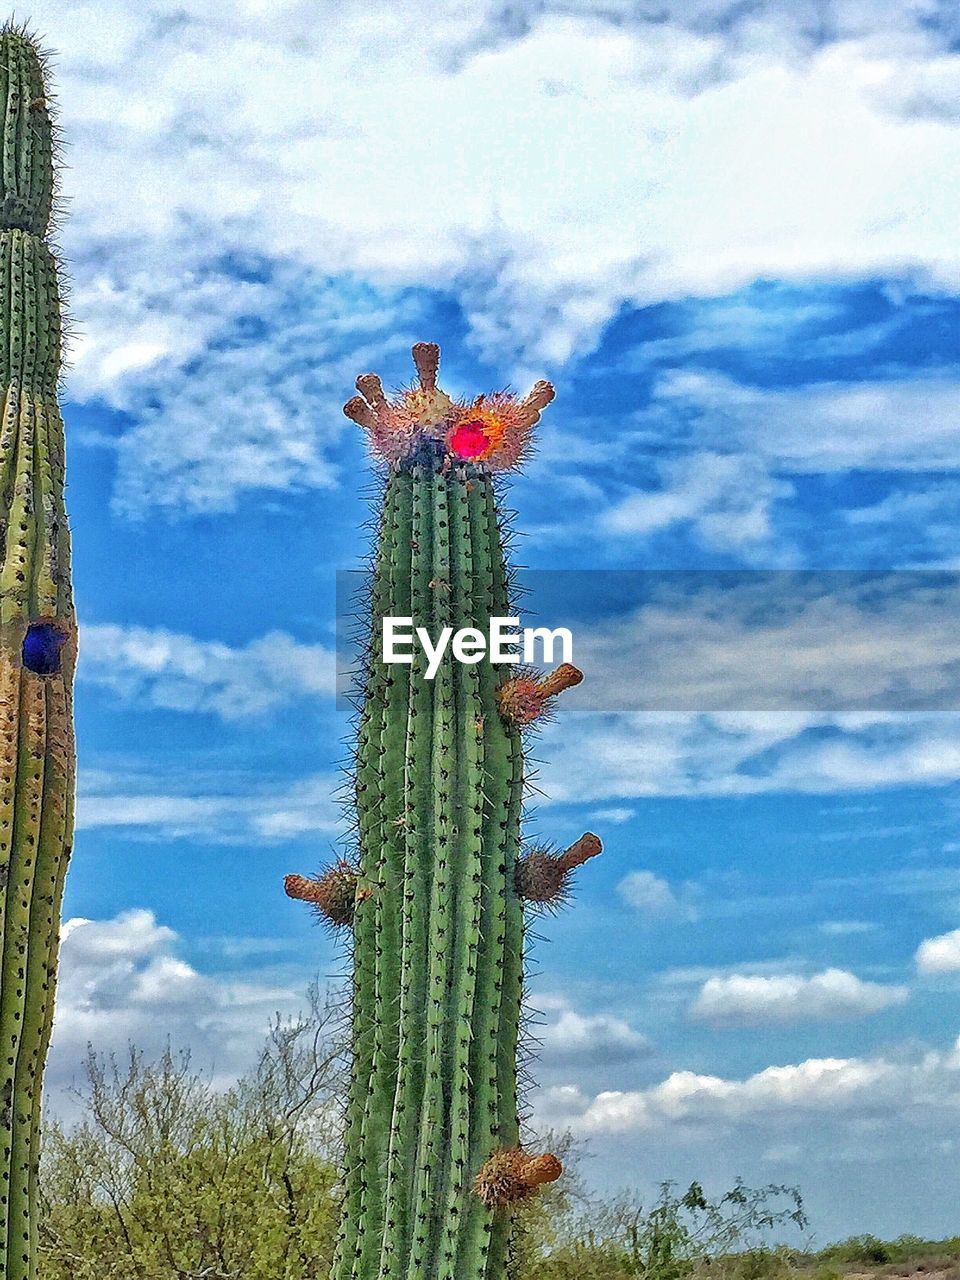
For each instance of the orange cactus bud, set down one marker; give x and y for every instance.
(566, 676)
(333, 894)
(426, 356)
(357, 410)
(542, 876)
(525, 698)
(371, 388)
(588, 846)
(510, 1176)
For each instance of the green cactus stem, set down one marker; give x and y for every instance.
(38, 641)
(433, 1170)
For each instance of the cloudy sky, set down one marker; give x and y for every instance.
(727, 232)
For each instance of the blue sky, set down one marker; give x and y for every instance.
(727, 233)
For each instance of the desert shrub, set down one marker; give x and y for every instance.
(168, 1178)
(864, 1248)
(677, 1237)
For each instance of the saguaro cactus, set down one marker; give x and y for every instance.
(37, 638)
(433, 1169)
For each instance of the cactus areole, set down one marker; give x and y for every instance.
(434, 1172)
(37, 639)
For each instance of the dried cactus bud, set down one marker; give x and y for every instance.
(588, 846)
(539, 876)
(426, 356)
(333, 894)
(509, 1176)
(535, 401)
(542, 876)
(566, 676)
(371, 388)
(359, 411)
(525, 698)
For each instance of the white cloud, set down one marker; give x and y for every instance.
(738, 1000)
(651, 895)
(165, 669)
(783, 683)
(847, 928)
(625, 757)
(231, 384)
(761, 323)
(910, 423)
(303, 807)
(121, 981)
(775, 641)
(132, 934)
(647, 892)
(570, 1038)
(615, 815)
(302, 139)
(725, 470)
(940, 954)
(728, 498)
(250, 811)
(840, 1088)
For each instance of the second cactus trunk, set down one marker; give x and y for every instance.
(37, 641)
(433, 1167)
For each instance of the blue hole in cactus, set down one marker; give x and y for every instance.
(41, 648)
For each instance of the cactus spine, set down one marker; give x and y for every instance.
(433, 1168)
(37, 639)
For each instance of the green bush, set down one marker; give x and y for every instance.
(166, 1178)
(677, 1237)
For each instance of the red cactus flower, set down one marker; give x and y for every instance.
(469, 440)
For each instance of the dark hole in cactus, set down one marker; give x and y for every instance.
(41, 648)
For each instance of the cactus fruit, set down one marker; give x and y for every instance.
(433, 1169)
(37, 639)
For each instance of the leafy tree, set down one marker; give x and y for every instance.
(166, 1178)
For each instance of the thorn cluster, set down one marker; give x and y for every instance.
(526, 697)
(333, 894)
(423, 423)
(542, 876)
(510, 1176)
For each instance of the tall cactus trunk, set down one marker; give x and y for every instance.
(433, 1168)
(37, 640)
